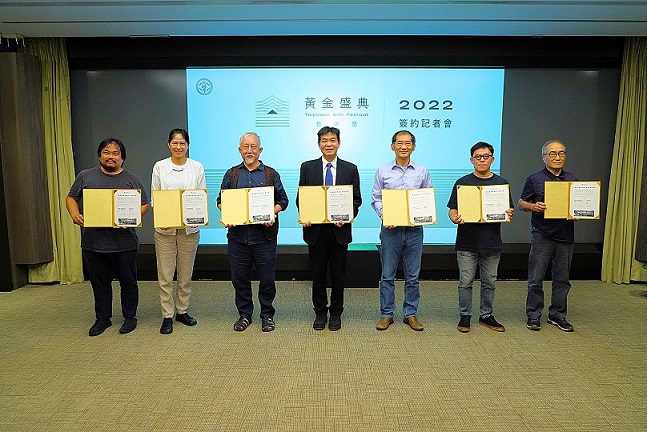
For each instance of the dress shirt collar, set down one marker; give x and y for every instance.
(409, 165)
(325, 162)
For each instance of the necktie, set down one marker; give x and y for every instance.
(328, 180)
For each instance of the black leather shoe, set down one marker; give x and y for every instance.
(99, 327)
(167, 326)
(129, 325)
(335, 323)
(186, 319)
(320, 322)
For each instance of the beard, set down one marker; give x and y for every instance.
(110, 168)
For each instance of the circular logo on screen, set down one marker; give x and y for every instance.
(204, 86)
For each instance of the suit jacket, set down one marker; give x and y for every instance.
(312, 175)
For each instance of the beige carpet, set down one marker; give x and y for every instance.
(54, 377)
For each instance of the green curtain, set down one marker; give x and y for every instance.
(618, 263)
(67, 267)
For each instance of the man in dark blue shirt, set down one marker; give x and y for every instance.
(108, 251)
(551, 241)
(253, 244)
(478, 245)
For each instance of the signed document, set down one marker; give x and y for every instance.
(195, 207)
(585, 200)
(422, 206)
(339, 203)
(572, 199)
(179, 208)
(247, 205)
(495, 200)
(127, 208)
(261, 205)
(326, 204)
(408, 207)
(104, 208)
(478, 204)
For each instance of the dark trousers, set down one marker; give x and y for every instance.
(327, 253)
(242, 257)
(544, 251)
(101, 267)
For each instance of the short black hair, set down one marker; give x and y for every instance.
(182, 132)
(103, 144)
(480, 145)
(327, 129)
(413, 137)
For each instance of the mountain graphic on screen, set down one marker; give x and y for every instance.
(272, 112)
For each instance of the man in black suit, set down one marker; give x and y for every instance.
(328, 243)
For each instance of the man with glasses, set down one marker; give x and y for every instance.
(551, 242)
(478, 245)
(403, 241)
(253, 245)
(328, 243)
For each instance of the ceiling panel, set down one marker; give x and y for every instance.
(342, 17)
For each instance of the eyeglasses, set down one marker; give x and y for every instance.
(554, 154)
(482, 156)
(178, 143)
(407, 144)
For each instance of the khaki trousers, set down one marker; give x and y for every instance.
(175, 252)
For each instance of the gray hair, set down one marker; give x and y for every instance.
(543, 148)
(246, 134)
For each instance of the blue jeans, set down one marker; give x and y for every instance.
(488, 264)
(543, 251)
(405, 242)
(241, 259)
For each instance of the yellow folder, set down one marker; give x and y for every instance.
(469, 203)
(98, 207)
(471, 206)
(397, 208)
(313, 203)
(556, 198)
(167, 209)
(238, 206)
(234, 206)
(560, 196)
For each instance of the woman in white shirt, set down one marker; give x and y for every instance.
(175, 248)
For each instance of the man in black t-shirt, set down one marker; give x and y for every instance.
(478, 245)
